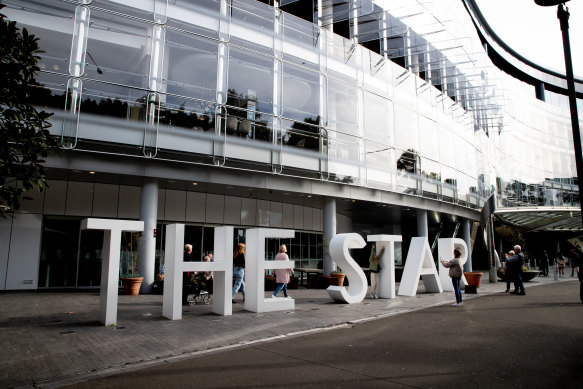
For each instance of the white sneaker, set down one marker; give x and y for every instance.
(287, 297)
(455, 305)
(376, 296)
(371, 295)
(273, 296)
(460, 304)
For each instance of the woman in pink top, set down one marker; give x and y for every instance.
(282, 275)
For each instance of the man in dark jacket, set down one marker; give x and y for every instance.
(516, 262)
(574, 259)
(544, 264)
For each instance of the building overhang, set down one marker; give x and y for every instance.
(547, 219)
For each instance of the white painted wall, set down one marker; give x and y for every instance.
(23, 257)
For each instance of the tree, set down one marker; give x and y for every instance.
(24, 136)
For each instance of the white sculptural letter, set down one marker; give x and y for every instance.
(358, 284)
(255, 265)
(419, 263)
(174, 266)
(445, 250)
(110, 262)
(387, 273)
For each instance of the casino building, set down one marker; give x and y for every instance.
(395, 117)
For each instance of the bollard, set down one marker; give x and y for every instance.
(556, 271)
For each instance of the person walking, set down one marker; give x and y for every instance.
(374, 264)
(544, 264)
(186, 257)
(508, 271)
(561, 264)
(239, 271)
(516, 262)
(282, 275)
(455, 272)
(574, 259)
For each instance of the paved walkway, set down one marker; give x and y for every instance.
(53, 339)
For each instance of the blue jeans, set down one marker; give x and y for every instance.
(456, 288)
(239, 283)
(518, 285)
(280, 287)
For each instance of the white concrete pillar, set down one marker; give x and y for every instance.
(422, 229)
(329, 216)
(149, 215)
(466, 236)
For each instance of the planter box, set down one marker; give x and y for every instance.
(526, 275)
(473, 278)
(131, 285)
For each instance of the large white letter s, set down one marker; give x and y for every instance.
(358, 285)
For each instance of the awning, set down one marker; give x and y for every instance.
(556, 219)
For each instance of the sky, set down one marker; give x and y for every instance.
(535, 32)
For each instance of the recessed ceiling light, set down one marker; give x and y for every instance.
(195, 183)
(309, 195)
(91, 172)
(354, 201)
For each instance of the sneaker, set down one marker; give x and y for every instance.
(234, 302)
(371, 295)
(273, 296)
(376, 296)
(460, 304)
(455, 305)
(521, 293)
(287, 297)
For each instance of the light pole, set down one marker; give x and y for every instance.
(563, 16)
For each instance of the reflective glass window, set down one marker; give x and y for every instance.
(446, 151)
(180, 111)
(53, 25)
(145, 10)
(301, 134)
(376, 118)
(113, 100)
(252, 25)
(379, 171)
(344, 151)
(192, 65)
(120, 48)
(430, 168)
(301, 98)
(250, 81)
(428, 138)
(342, 106)
(300, 41)
(406, 128)
(196, 16)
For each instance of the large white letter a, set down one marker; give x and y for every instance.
(419, 263)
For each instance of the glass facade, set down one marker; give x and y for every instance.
(273, 90)
(269, 76)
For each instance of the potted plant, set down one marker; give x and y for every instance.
(130, 260)
(337, 278)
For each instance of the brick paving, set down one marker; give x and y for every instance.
(51, 339)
